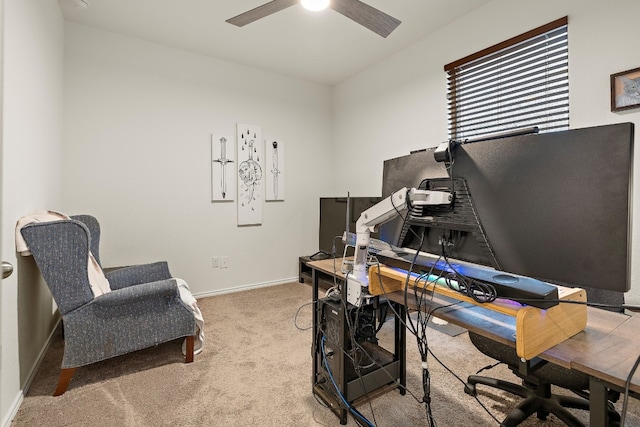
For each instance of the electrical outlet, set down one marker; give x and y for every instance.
(224, 262)
(215, 262)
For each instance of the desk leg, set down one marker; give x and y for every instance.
(314, 339)
(401, 345)
(598, 415)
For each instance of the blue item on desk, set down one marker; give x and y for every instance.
(530, 291)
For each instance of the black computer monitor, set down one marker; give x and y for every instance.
(334, 220)
(406, 171)
(553, 206)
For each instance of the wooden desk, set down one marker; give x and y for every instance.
(608, 359)
(605, 350)
(612, 356)
(329, 268)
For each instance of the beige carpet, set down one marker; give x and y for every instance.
(255, 370)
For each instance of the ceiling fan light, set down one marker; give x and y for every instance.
(315, 5)
(80, 4)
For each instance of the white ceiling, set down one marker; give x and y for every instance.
(324, 47)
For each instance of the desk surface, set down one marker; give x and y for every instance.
(612, 356)
(330, 266)
(607, 348)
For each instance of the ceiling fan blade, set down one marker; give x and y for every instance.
(368, 16)
(260, 12)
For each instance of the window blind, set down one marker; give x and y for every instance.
(519, 83)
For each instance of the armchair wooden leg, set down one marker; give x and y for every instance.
(190, 348)
(63, 382)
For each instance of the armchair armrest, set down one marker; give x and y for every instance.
(138, 293)
(137, 274)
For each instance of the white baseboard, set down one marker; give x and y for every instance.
(13, 409)
(245, 287)
(15, 405)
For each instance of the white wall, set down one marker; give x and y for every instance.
(137, 124)
(31, 158)
(399, 105)
(135, 119)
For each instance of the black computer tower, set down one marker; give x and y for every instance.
(348, 362)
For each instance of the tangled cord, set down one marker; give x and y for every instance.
(479, 291)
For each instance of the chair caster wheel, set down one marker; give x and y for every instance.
(542, 415)
(470, 389)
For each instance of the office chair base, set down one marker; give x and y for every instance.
(538, 400)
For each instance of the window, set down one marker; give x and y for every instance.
(522, 82)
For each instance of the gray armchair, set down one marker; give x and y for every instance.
(142, 310)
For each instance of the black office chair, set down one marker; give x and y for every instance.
(537, 381)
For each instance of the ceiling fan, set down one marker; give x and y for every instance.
(368, 16)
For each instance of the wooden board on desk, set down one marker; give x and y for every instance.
(537, 330)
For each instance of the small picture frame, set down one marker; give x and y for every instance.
(625, 90)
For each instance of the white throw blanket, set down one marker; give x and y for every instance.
(189, 300)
